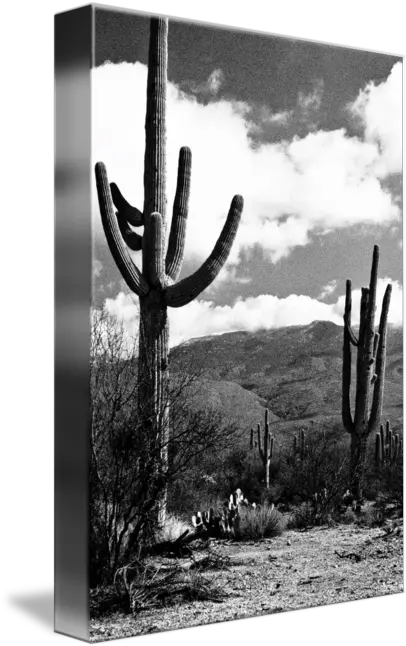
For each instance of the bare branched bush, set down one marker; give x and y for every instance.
(317, 482)
(128, 477)
(383, 482)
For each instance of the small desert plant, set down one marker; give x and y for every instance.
(301, 517)
(261, 522)
(371, 517)
(310, 514)
(349, 517)
(273, 494)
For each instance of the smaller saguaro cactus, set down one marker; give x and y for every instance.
(299, 445)
(369, 372)
(388, 446)
(265, 446)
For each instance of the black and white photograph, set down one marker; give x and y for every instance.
(246, 343)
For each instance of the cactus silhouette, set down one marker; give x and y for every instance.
(156, 284)
(265, 446)
(370, 372)
(299, 446)
(388, 447)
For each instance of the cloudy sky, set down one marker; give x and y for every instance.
(309, 134)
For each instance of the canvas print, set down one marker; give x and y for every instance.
(246, 441)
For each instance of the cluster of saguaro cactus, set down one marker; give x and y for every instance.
(299, 446)
(370, 372)
(265, 446)
(388, 446)
(224, 522)
(156, 284)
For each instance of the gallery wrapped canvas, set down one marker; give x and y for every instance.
(228, 410)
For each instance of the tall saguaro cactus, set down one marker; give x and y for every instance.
(265, 446)
(156, 284)
(370, 372)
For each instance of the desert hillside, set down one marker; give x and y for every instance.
(294, 371)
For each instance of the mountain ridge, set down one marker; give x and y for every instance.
(295, 371)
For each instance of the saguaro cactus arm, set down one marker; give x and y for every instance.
(380, 361)
(363, 366)
(261, 453)
(176, 244)
(346, 376)
(127, 212)
(347, 314)
(376, 343)
(372, 292)
(187, 289)
(132, 239)
(131, 274)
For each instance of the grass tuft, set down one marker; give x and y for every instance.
(261, 522)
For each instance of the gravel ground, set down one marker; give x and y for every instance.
(296, 570)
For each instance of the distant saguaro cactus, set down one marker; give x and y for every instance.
(156, 285)
(388, 446)
(370, 372)
(299, 445)
(265, 446)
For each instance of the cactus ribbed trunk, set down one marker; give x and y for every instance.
(153, 374)
(370, 372)
(357, 464)
(156, 285)
(153, 387)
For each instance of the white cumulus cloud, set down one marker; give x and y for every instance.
(322, 181)
(380, 108)
(203, 318)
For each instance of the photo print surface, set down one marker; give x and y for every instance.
(246, 346)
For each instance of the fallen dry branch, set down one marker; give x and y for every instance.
(152, 583)
(181, 547)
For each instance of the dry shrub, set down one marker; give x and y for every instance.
(310, 515)
(259, 522)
